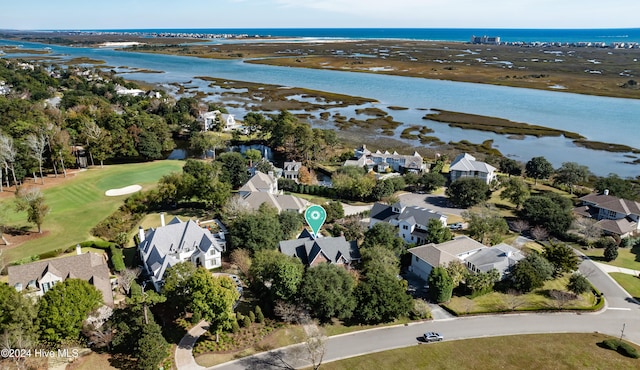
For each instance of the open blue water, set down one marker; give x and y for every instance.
(604, 119)
(440, 34)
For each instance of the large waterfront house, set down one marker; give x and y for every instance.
(385, 161)
(465, 165)
(412, 221)
(178, 241)
(36, 278)
(211, 120)
(615, 216)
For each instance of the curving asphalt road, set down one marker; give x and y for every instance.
(621, 309)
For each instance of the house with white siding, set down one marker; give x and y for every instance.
(178, 241)
(412, 221)
(465, 165)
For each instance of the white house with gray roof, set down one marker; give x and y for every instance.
(412, 221)
(178, 241)
(501, 257)
(465, 165)
(381, 161)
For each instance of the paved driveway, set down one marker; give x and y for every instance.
(438, 203)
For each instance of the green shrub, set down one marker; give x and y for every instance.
(611, 344)
(196, 317)
(235, 327)
(420, 310)
(621, 347)
(259, 315)
(246, 322)
(252, 316)
(117, 258)
(626, 349)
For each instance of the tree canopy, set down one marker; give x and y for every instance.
(531, 272)
(64, 307)
(385, 235)
(440, 285)
(381, 297)
(466, 192)
(538, 168)
(327, 290)
(552, 212)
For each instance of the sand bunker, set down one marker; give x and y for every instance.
(123, 191)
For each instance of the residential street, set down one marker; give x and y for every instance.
(621, 310)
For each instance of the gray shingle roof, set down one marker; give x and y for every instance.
(335, 249)
(162, 245)
(89, 266)
(500, 257)
(466, 162)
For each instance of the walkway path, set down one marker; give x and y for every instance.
(184, 351)
(609, 269)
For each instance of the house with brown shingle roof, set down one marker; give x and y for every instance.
(36, 278)
(615, 215)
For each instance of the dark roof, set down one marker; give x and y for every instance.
(308, 249)
(382, 212)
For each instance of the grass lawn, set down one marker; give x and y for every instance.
(338, 327)
(536, 300)
(540, 351)
(630, 283)
(279, 338)
(79, 203)
(627, 257)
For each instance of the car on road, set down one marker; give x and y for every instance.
(432, 337)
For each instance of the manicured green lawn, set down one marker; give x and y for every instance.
(540, 351)
(536, 300)
(627, 257)
(79, 203)
(630, 283)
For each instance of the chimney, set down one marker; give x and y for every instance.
(78, 249)
(162, 219)
(606, 191)
(141, 234)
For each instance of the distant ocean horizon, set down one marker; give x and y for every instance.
(608, 35)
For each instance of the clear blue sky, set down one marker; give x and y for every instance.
(115, 14)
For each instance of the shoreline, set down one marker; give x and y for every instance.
(558, 67)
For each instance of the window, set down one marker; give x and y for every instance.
(405, 227)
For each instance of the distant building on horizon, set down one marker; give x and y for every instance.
(487, 40)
